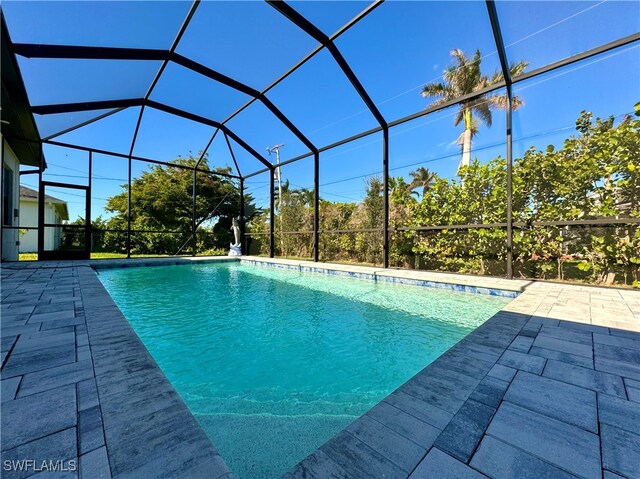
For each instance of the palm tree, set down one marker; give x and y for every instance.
(422, 177)
(462, 78)
(278, 195)
(306, 195)
(285, 187)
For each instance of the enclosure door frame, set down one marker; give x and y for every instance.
(81, 254)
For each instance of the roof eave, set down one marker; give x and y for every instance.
(18, 123)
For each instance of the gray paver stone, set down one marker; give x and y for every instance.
(441, 465)
(620, 451)
(502, 372)
(568, 447)
(408, 426)
(358, 459)
(95, 465)
(564, 346)
(91, 432)
(398, 449)
(490, 391)
(562, 356)
(317, 466)
(499, 460)
(619, 413)
(60, 446)
(463, 434)
(562, 401)
(522, 361)
(9, 388)
(31, 417)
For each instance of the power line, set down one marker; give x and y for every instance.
(483, 57)
(454, 155)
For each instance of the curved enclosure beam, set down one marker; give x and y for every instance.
(84, 123)
(71, 107)
(136, 54)
(309, 56)
(85, 106)
(215, 124)
(247, 90)
(313, 31)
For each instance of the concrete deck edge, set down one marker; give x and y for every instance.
(150, 431)
(432, 399)
(148, 428)
(455, 282)
(436, 424)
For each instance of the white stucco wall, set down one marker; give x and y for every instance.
(10, 237)
(29, 217)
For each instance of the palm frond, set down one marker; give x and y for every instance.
(463, 77)
(484, 112)
(442, 92)
(422, 177)
(517, 102)
(515, 69)
(436, 90)
(459, 117)
(459, 56)
(518, 68)
(498, 101)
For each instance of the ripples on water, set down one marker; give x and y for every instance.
(275, 362)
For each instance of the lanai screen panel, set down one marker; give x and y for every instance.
(542, 35)
(247, 41)
(120, 127)
(195, 93)
(295, 210)
(394, 50)
(97, 24)
(261, 129)
(53, 125)
(321, 101)
(53, 81)
(401, 46)
(166, 137)
(351, 211)
(329, 17)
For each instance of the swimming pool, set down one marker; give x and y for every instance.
(274, 362)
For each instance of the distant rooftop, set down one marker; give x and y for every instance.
(31, 194)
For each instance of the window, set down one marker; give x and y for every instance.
(7, 196)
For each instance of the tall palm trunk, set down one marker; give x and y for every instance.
(466, 139)
(466, 149)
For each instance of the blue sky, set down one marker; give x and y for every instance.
(394, 51)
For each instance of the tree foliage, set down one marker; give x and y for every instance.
(595, 174)
(464, 77)
(162, 210)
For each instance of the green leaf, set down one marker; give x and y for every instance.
(584, 266)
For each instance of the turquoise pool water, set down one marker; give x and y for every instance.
(274, 362)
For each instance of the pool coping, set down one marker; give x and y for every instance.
(464, 283)
(126, 375)
(455, 282)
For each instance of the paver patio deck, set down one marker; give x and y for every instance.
(548, 387)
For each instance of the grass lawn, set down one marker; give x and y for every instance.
(34, 256)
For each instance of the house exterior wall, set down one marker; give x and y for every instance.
(10, 237)
(29, 217)
(52, 236)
